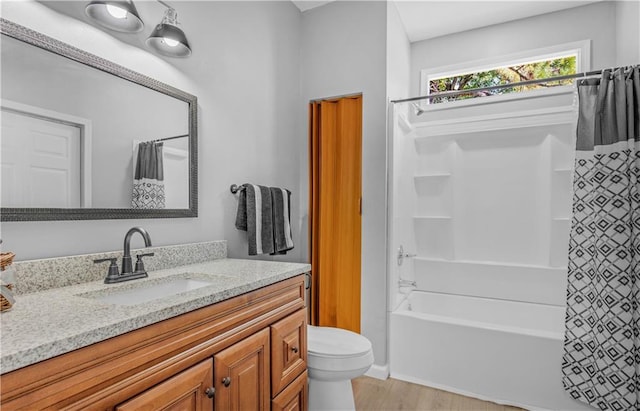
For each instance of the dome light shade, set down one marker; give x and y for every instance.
(117, 12)
(171, 42)
(115, 15)
(168, 39)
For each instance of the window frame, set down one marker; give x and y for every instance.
(582, 50)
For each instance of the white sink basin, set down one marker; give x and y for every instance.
(144, 294)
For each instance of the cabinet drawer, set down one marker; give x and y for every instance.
(294, 397)
(288, 350)
(185, 391)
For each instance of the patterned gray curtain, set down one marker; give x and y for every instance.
(601, 362)
(148, 182)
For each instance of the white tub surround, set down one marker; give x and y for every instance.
(498, 350)
(48, 323)
(481, 193)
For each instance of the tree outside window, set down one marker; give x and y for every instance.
(505, 75)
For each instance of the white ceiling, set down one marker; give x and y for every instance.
(304, 5)
(424, 19)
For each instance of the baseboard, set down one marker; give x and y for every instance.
(381, 372)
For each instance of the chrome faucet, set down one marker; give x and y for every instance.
(128, 273)
(127, 267)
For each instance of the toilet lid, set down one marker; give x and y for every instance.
(336, 342)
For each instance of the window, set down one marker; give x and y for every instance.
(536, 64)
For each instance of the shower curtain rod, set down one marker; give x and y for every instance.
(171, 138)
(501, 86)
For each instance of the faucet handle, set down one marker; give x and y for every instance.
(113, 268)
(102, 260)
(139, 263)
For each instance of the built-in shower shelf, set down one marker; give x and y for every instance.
(561, 219)
(429, 176)
(563, 170)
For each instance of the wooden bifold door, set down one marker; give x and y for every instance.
(335, 208)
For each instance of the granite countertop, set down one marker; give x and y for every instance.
(44, 324)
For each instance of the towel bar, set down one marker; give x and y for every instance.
(235, 188)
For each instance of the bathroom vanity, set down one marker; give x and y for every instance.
(237, 343)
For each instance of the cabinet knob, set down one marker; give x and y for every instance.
(226, 381)
(210, 392)
(294, 349)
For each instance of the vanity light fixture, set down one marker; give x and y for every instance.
(167, 38)
(115, 15)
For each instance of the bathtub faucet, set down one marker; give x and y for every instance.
(402, 255)
(407, 283)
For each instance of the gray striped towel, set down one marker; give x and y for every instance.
(281, 206)
(264, 213)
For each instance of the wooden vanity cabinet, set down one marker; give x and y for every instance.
(294, 397)
(242, 375)
(245, 353)
(185, 391)
(288, 356)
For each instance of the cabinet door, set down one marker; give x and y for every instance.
(294, 397)
(184, 392)
(242, 375)
(288, 350)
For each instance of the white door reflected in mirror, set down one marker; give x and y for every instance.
(40, 162)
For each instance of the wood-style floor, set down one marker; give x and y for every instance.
(394, 395)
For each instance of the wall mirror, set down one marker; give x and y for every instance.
(72, 128)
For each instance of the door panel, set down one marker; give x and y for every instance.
(242, 375)
(336, 222)
(40, 162)
(288, 356)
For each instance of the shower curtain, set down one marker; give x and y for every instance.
(148, 182)
(601, 362)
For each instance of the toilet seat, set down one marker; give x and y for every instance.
(335, 349)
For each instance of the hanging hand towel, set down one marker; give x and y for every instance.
(282, 239)
(255, 216)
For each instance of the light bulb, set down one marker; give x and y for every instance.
(170, 42)
(116, 11)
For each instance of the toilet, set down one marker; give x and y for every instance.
(334, 357)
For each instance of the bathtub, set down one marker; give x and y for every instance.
(502, 351)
